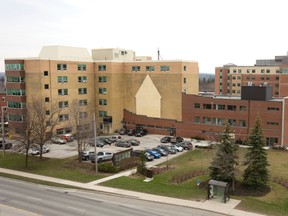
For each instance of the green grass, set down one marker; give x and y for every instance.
(68, 168)
(274, 203)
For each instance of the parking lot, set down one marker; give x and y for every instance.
(70, 148)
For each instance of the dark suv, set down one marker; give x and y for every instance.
(141, 132)
(8, 145)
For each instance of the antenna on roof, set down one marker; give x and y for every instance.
(159, 56)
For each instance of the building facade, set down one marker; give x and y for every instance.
(104, 83)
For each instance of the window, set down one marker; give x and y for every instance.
(184, 68)
(238, 77)
(232, 122)
(272, 123)
(136, 68)
(46, 86)
(14, 67)
(150, 68)
(62, 92)
(45, 73)
(248, 71)
(262, 78)
(234, 77)
(82, 90)
(196, 119)
(3, 99)
(207, 120)
(83, 102)
(242, 108)
(277, 85)
(102, 113)
(63, 104)
(15, 92)
(273, 108)
(207, 106)
(46, 99)
(47, 112)
(83, 115)
(267, 78)
(238, 91)
(102, 102)
(102, 79)
(277, 78)
(15, 118)
(101, 67)
(238, 84)
(262, 70)
(63, 117)
(82, 79)
(62, 79)
(102, 91)
(231, 107)
(81, 67)
(165, 68)
(16, 105)
(220, 107)
(61, 67)
(239, 71)
(15, 79)
(242, 123)
(234, 70)
(268, 71)
(197, 105)
(184, 80)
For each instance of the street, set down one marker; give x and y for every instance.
(22, 199)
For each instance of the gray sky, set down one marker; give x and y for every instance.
(212, 32)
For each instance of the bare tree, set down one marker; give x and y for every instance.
(46, 117)
(83, 126)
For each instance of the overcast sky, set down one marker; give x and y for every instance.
(212, 32)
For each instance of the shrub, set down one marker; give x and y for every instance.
(107, 167)
(181, 177)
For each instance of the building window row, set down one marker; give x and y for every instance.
(12, 79)
(101, 67)
(62, 79)
(163, 68)
(62, 92)
(102, 91)
(83, 102)
(273, 108)
(219, 121)
(15, 118)
(16, 92)
(82, 79)
(219, 107)
(272, 123)
(14, 67)
(16, 105)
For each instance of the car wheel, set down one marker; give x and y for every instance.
(100, 160)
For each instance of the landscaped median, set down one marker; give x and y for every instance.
(180, 181)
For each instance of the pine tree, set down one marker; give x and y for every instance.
(224, 164)
(256, 174)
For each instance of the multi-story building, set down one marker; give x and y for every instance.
(230, 77)
(106, 83)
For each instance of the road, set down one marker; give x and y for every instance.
(19, 198)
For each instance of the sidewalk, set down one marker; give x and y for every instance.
(209, 205)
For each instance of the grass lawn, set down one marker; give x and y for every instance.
(68, 168)
(273, 203)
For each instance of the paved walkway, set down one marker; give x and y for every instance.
(210, 205)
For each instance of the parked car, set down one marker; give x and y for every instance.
(85, 155)
(161, 151)
(155, 154)
(114, 139)
(138, 153)
(166, 139)
(58, 140)
(123, 131)
(131, 132)
(68, 137)
(35, 150)
(101, 156)
(134, 142)
(168, 149)
(177, 147)
(122, 143)
(7, 145)
(141, 132)
(187, 145)
(176, 139)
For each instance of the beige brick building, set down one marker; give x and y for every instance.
(107, 82)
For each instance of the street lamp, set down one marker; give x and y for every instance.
(95, 143)
(3, 108)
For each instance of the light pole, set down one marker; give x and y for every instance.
(95, 143)
(2, 121)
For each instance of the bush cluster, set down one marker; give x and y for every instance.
(128, 163)
(181, 177)
(159, 170)
(107, 167)
(280, 180)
